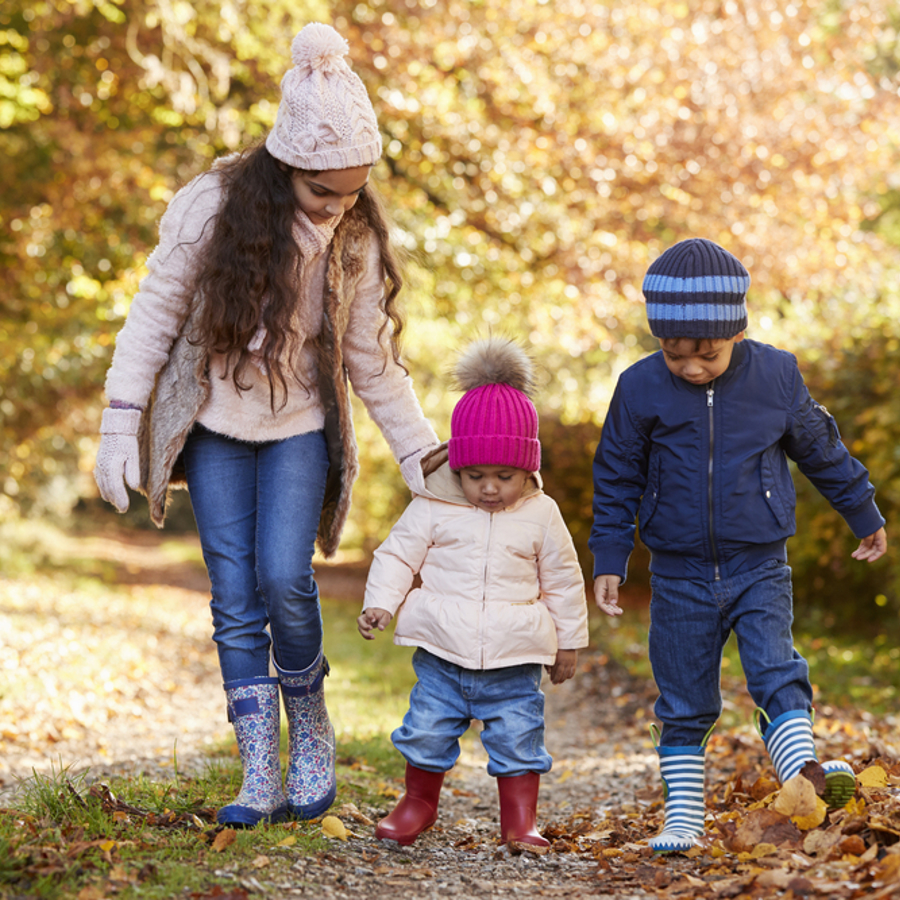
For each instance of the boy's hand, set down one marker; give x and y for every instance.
(564, 667)
(373, 617)
(872, 547)
(606, 594)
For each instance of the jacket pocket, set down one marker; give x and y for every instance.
(650, 499)
(773, 491)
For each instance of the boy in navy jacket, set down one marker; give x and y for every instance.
(696, 446)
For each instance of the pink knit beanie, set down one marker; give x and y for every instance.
(325, 119)
(494, 423)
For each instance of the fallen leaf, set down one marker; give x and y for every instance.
(872, 777)
(224, 839)
(91, 892)
(260, 862)
(350, 811)
(775, 878)
(761, 850)
(813, 819)
(853, 844)
(821, 843)
(750, 832)
(797, 797)
(813, 771)
(333, 827)
(287, 842)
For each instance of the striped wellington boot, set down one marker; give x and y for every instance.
(683, 770)
(789, 740)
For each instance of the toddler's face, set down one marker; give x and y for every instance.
(698, 361)
(493, 488)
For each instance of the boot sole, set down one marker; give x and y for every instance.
(839, 789)
(247, 817)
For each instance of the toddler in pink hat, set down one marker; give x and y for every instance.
(501, 596)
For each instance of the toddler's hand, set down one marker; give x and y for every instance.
(564, 667)
(373, 617)
(872, 547)
(606, 594)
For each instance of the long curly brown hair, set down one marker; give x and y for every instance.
(248, 272)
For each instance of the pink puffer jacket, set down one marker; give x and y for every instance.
(498, 589)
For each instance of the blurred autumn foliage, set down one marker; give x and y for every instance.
(538, 156)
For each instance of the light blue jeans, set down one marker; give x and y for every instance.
(257, 508)
(509, 703)
(689, 624)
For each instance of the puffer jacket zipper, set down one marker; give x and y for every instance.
(484, 581)
(710, 394)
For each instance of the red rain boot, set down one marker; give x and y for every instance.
(518, 812)
(417, 809)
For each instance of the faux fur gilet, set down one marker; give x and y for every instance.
(183, 385)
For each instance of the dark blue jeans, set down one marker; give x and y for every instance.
(689, 625)
(257, 507)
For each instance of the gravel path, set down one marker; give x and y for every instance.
(151, 684)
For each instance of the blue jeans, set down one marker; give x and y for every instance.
(689, 624)
(257, 507)
(509, 703)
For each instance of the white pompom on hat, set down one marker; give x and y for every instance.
(325, 119)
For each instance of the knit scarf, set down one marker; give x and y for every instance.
(312, 240)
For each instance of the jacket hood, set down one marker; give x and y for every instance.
(435, 479)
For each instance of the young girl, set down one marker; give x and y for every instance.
(273, 281)
(502, 594)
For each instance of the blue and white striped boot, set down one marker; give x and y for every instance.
(789, 740)
(683, 770)
(311, 784)
(254, 711)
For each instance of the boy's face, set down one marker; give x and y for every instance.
(493, 488)
(698, 361)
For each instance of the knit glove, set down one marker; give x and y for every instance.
(118, 456)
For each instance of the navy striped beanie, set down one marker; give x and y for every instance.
(696, 289)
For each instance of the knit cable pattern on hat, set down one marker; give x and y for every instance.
(696, 289)
(325, 119)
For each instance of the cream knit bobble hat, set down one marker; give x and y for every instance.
(325, 119)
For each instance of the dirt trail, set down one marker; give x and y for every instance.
(148, 697)
(151, 683)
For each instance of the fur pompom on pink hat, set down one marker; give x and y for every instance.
(325, 119)
(495, 423)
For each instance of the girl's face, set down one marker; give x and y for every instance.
(493, 488)
(325, 195)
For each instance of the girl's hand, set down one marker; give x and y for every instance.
(564, 667)
(373, 617)
(606, 594)
(872, 547)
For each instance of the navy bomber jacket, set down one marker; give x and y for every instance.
(704, 468)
